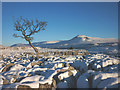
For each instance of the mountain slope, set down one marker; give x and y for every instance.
(80, 41)
(19, 45)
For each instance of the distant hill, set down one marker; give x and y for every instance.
(19, 45)
(79, 41)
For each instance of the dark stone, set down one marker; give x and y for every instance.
(45, 86)
(24, 87)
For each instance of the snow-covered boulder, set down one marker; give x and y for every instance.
(17, 67)
(36, 66)
(99, 62)
(74, 72)
(80, 65)
(31, 64)
(104, 77)
(65, 75)
(70, 58)
(1, 64)
(113, 68)
(32, 78)
(9, 78)
(109, 83)
(85, 80)
(7, 67)
(1, 82)
(60, 65)
(1, 79)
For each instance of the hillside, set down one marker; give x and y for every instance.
(76, 42)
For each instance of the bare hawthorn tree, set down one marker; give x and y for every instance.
(28, 28)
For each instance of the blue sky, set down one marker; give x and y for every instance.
(65, 20)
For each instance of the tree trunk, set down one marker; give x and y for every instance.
(36, 50)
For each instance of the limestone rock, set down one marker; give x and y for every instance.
(7, 67)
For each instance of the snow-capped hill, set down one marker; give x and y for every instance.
(81, 37)
(80, 41)
(50, 42)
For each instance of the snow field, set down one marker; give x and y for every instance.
(92, 71)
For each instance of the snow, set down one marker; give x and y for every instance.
(80, 65)
(33, 78)
(107, 83)
(49, 42)
(63, 75)
(17, 67)
(101, 60)
(34, 84)
(60, 65)
(1, 82)
(104, 79)
(76, 71)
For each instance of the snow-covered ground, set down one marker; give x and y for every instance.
(92, 44)
(109, 49)
(19, 69)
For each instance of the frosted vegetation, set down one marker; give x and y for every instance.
(19, 68)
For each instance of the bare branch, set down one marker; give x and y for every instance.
(15, 35)
(40, 26)
(32, 27)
